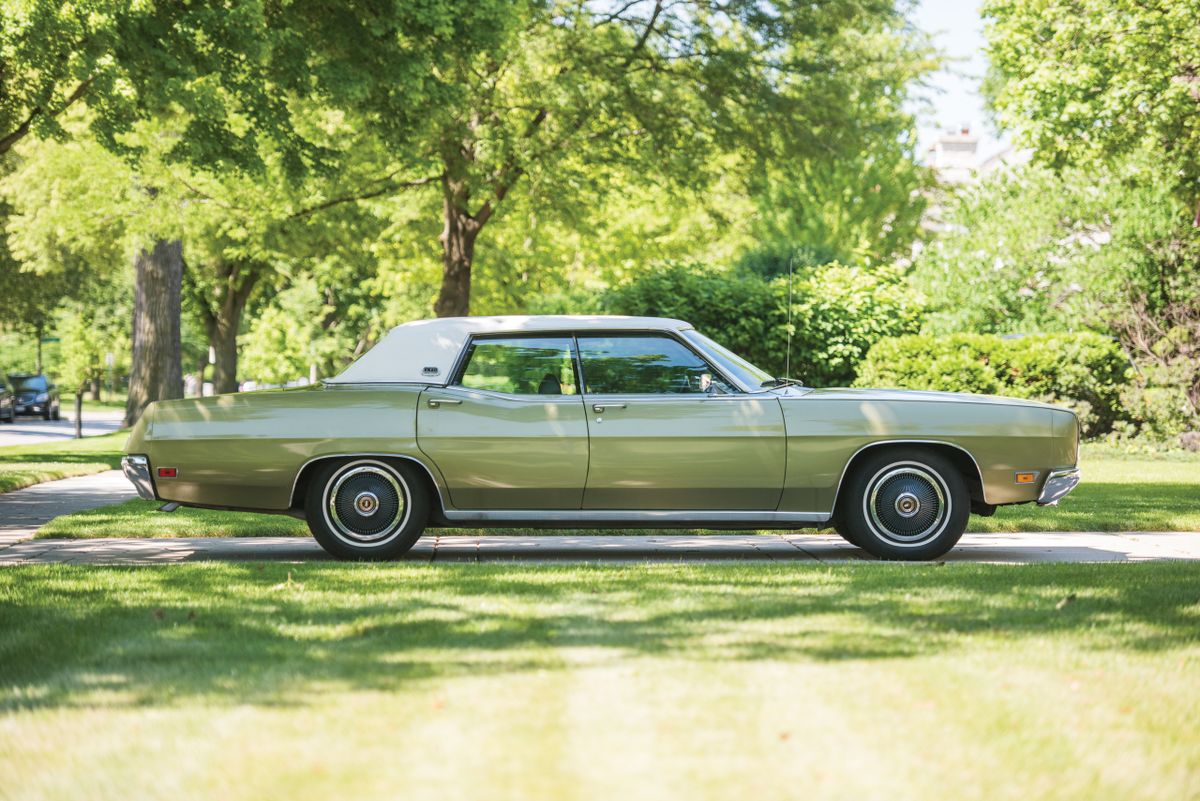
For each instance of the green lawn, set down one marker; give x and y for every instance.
(111, 402)
(1119, 493)
(249, 681)
(25, 465)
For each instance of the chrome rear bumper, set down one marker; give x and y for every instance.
(137, 470)
(1058, 484)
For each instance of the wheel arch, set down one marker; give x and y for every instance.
(306, 471)
(962, 459)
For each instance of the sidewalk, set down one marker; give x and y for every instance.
(23, 511)
(1013, 548)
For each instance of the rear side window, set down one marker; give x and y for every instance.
(521, 366)
(643, 365)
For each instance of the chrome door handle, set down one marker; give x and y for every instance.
(436, 402)
(600, 407)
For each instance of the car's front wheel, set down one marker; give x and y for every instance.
(910, 505)
(366, 509)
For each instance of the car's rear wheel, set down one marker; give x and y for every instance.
(904, 504)
(366, 509)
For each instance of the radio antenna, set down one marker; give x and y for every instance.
(787, 361)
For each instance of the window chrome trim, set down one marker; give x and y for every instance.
(672, 335)
(461, 362)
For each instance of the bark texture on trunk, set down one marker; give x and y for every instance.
(222, 313)
(157, 369)
(458, 250)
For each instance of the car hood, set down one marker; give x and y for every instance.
(854, 394)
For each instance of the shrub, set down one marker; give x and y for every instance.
(838, 312)
(1085, 372)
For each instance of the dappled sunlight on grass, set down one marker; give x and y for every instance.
(179, 632)
(861, 680)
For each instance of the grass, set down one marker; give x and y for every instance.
(111, 402)
(25, 465)
(244, 681)
(1120, 492)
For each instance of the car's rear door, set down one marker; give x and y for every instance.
(509, 431)
(662, 438)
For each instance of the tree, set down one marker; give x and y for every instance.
(1095, 81)
(559, 95)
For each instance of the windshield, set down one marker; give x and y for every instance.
(729, 361)
(28, 383)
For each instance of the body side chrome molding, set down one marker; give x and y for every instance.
(631, 516)
(842, 478)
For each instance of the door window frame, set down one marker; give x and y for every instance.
(656, 334)
(464, 358)
(460, 364)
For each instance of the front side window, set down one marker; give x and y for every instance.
(644, 365)
(520, 366)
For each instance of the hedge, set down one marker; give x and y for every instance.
(1084, 371)
(838, 312)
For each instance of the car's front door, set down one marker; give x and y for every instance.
(667, 432)
(509, 432)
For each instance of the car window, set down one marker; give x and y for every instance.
(643, 365)
(521, 366)
(32, 383)
(730, 362)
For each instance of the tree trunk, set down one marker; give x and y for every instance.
(224, 343)
(95, 387)
(39, 334)
(458, 251)
(157, 369)
(222, 315)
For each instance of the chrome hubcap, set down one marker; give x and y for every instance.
(366, 504)
(907, 504)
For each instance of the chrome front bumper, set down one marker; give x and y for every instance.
(1058, 484)
(137, 470)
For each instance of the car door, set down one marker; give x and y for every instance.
(669, 432)
(509, 431)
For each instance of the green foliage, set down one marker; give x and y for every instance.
(1086, 372)
(219, 66)
(838, 312)
(1089, 82)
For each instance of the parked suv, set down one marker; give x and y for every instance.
(35, 395)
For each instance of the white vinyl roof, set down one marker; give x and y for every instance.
(424, 351)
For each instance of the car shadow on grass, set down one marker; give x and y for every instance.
(274, 634)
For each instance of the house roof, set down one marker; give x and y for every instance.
(424, 351)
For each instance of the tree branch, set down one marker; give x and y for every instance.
(22, 130)
(383, 190)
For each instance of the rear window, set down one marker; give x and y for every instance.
(29, 383)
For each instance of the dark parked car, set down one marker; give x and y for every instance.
(8, 404)
(35, 395)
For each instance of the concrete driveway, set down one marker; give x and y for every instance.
(35, 430)
(988, 548)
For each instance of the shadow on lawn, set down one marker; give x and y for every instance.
(241, 633)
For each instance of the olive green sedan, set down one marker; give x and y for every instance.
(598, 422)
